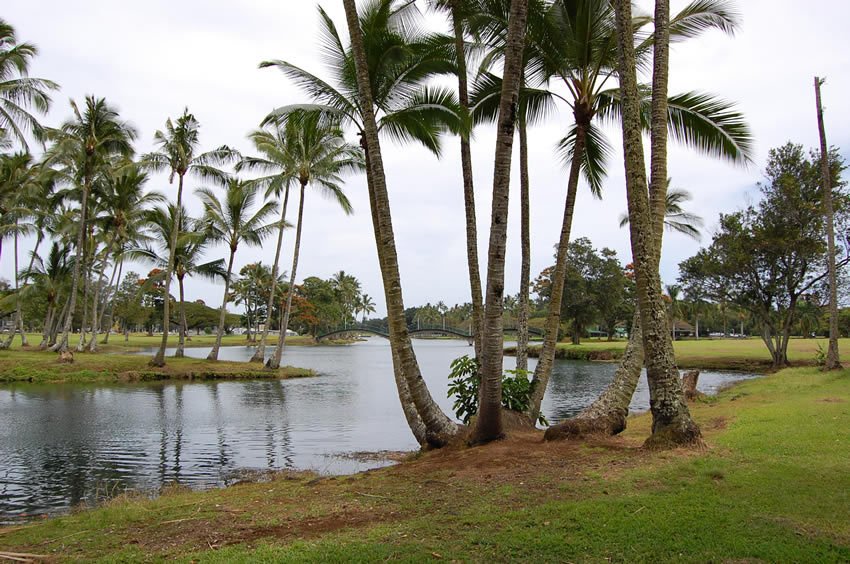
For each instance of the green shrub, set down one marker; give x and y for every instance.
(464, 384)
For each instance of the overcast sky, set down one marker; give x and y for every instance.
(152, 58)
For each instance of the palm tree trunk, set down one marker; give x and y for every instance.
(88, 263)
(488, 425)
(525, 237)
(260, 353)
(439, 428)
(48, 323)
(214, 352)
(110, 290)
(546, 358)
(672, 423)
(54, 330)
(408, 405)
(112, 302)
(607, 415)
(96, 318)
(181, 341)
(274, 362)
(832, 358)
(468, 186)
(159, 358)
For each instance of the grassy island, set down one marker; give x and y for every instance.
(44, 367)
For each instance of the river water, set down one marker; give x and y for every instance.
(65, 445)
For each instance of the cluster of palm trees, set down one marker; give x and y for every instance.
(86, 196)
(583, 54)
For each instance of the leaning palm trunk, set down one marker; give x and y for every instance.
(608, 414)
(488, 425)
(439, 428)
(114, 294)
(87, 266)
(525, 237)
(468, 187)
(260, 353)
(408, 406)
(274, 361)
(546, 358)
(96, 317)
(221, 318)
(159, 359)
(672, 423)
(832, 358)
(48, 323)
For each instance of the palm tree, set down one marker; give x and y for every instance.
(316, 154)
(230, 220)
(675, 217)
(85, 147)
(671, 420)
(459, 12)
(674, 292)
(488, 425)
(178, 153)
(188, 253)
(491, 23)
(50, 278)
(367, 305)
(377, 86)
(19, 176)
(18, 91)
(277, 178)
(122, 205)
(581, 52)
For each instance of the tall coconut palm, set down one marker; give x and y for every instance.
(375, 36)
(491, 24)
(488, 425)
(188, 253)
(366, 305)
(316, 155)
(460, 11)
(671, 420)
(84, 147)
(177, 152)
(122, 204)
(18, 91)
(231, 221)
(276, 179)
(581, 54)
(381, 79)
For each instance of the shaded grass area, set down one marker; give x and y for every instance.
(773, 484)
(143, 340)
(44, 366)
(718, 354)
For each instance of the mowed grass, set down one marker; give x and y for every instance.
(772, 484)
(44, 367)
(720, 354)
(143, 340)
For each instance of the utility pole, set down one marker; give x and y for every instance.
(832, 358)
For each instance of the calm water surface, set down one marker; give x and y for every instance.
(63, 445)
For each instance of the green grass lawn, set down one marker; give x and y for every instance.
(44, 367)
(772, 485)
(728, 354)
